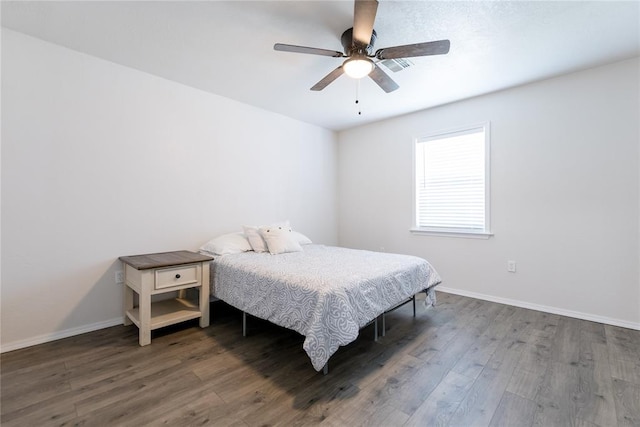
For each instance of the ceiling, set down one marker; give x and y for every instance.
(226, 47)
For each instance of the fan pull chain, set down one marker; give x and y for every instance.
(358, 96)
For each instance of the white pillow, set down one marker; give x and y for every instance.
(255, 239)
(280, 239)
(301, 238)
(232, 243)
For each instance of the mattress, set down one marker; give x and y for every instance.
(325, 293)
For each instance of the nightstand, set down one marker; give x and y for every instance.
(159, 273)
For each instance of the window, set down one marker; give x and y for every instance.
(451, 178)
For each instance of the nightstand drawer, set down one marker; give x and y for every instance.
(177, 276)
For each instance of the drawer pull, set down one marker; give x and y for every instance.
(177, 276)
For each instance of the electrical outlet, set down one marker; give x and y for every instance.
(119, 276)
(511, 266)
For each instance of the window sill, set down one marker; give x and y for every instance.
(451, 233)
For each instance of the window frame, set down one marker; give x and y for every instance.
(450, 231)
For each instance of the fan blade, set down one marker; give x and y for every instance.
(364, 15)
(328, 79)
(383, 80)
(439, 47)
(303, 49)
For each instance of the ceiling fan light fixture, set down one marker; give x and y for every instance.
(358, 67)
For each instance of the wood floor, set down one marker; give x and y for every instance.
(465, 362)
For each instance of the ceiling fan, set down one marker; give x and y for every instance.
(358, 45)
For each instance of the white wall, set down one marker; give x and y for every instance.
(564, 196)
(99, 161)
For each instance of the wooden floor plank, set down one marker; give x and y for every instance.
(486, 393)
(53, 404)
(59, 414)
(525, 383)
(410, 395)
(441, 404)
(566, 345)
(484, 396)
(385, 416)
(145, 399)
(464, 362)
(474, 360)
(533, 364)
(556, 402)
(595, 399)
(514, 411)
(382, 390)
(31, 392)
(627, 398)
(624, 369)
(623, 343)
(189, 408)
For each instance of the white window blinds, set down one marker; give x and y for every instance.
(451, 181)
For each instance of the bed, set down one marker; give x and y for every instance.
(325, 293)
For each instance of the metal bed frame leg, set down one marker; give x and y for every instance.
(375, 330)
(384, 325)
(244, 324)
(414, 305)
(325, 369)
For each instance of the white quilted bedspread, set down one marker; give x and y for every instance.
(325, 293)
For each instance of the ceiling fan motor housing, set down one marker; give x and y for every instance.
(351, 47)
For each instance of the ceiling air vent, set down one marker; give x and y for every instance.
(397, 64)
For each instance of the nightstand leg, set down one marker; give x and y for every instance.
(145, 319)
(144, 307)
(204, 296)
(128, 305)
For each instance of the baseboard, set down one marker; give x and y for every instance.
(41, 339)
(544, 308)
